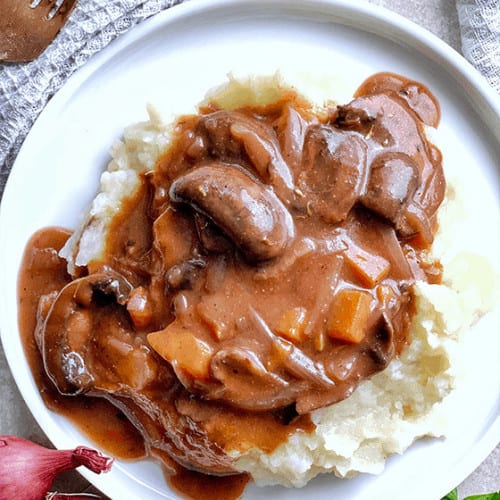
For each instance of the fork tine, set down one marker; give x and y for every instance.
(55, 9)
(52, 8)
(65, 7)
(41, 8)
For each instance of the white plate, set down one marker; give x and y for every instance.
(171, 60)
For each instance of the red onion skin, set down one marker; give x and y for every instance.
(27, 470)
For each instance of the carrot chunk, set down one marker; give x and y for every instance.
(292, 324)
(350, 313)
(368, 268)
(183, 350)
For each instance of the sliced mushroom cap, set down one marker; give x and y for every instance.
(417, 97)
(229, 136)
(66, 331)
(245, 210)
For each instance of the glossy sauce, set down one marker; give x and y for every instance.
(263, 270)
(42, 272)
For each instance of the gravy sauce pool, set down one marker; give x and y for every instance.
(263, 269)
(44, 272)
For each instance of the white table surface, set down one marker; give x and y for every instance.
(439, 17)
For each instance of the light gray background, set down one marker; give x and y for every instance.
(439, 17)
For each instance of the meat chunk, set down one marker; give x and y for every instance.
(233, 136)
(249, 213)
(334, 170)
(393, 181)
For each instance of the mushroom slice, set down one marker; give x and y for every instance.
(249, 213)
(67, 329)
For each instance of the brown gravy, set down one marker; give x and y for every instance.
(42, 272)
(263, 270)
(191, 484)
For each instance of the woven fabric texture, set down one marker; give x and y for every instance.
(480, 30)
(25, 88)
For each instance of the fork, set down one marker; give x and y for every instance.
(28, 26)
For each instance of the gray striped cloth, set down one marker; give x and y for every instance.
(480, 30)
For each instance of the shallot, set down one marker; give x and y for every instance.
(27, 470)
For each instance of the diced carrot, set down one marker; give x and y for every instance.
(292, 324)
(368, 268)
(139, 307)
(350, 312)
(183, 351)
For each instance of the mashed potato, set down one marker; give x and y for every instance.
(388, 412)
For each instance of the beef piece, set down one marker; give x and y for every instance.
(234, 137)
(334, 170)
(392, 183)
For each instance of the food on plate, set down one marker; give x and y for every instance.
(255, 285)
